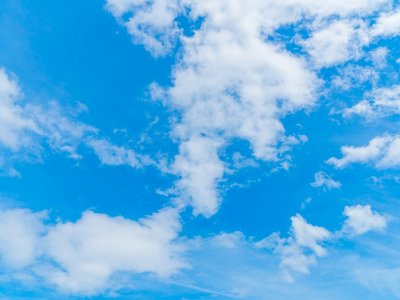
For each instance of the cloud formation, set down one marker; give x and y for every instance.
(381, 152)
(323, 180)
(13, 118)
(29, 128)
(110, 154)
(306, 242)
(232, 80)
(380, 102)
(388, 24)
(361, 219)
(81, 257)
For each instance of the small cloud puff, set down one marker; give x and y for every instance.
(361, 219)
(324, 181)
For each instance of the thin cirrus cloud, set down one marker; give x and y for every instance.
(110, 154)
(26, 128)
(13, 120)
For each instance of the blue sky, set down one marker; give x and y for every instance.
(199, 149)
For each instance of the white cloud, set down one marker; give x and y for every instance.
(227, 86)
(230, 82)
(90, 250)
(337, 42)
(228, 240)
(200, 170)
(382, 152)
(14, 121)
(110, 154)
(299, 251)
(377, 103)
(27, 129)
(323, 180)
(25, 126)
(353, 75)
(379, 57)
(58, 129)
(363, 108)
(231, 265)
(152, 25)
(305, 236)
(81, 257)
(19, 232)
(361, 219)
(388, 24)
(98, 252)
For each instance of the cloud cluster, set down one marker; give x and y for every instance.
(81, 257)
(382, 152)
(380, 102)
(96, 252)
(337, 42)
(19, 232)
(153, 24)
(300, 250)
(234, 80)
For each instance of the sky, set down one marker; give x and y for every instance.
(199, 149)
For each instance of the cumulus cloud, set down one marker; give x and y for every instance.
(299, 251)
(153, 24)
(379, 102)
(382, 152)
(361, 219)
(20, 230)
(231, 81)
(81, 257)
(388, 24)
(200, 170)
(84, 257)
(306, 242)
(305, 237)
(337, 42)
(323, 180)
(90, 250)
